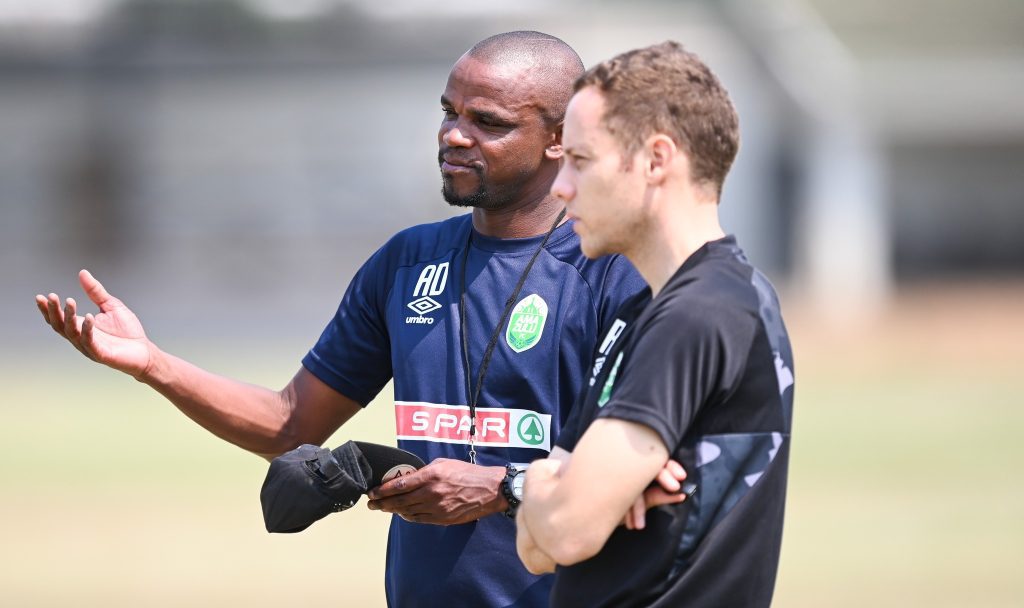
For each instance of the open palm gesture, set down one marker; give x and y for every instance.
(114, 337)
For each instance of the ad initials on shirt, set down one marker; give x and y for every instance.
(432, 281)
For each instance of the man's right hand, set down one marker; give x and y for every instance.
(258, 419)
(665, 491)
(114, 337)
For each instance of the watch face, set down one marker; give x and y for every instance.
(517, 484)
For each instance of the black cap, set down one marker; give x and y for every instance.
(306, 484)
(387, 462)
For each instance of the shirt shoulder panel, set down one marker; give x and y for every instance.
(353, 354)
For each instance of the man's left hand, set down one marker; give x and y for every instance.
(444, 492)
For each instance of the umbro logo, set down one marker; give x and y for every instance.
(423, 305)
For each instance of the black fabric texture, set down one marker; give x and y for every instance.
(310, 482)
(707, 365)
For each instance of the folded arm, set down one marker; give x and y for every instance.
(571, 512)
(532, 556)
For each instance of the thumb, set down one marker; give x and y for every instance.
(96, 292)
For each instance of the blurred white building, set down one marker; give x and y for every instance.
(200, 154)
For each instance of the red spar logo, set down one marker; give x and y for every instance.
(450, 423)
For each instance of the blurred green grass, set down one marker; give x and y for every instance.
(111, 497)
(904, 485)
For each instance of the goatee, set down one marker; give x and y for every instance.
(475, 199)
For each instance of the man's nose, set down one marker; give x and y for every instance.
(455, 139)
(562, 188)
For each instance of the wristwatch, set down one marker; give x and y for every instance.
(512, 487)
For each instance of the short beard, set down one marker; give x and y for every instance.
(481, 198)
(475, 199)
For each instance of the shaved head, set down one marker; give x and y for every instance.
(551, 66)
(499, 144)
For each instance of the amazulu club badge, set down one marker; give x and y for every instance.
(526, 325)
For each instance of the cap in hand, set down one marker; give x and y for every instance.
(308, 483)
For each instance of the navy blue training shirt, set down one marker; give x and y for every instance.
(400, 318)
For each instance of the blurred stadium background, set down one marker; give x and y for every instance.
(224, 166)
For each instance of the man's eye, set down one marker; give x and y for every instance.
(449, 113)
(491, 123)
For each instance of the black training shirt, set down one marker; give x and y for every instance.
(706, 364)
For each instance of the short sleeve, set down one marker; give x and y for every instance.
(669, 371)
(353, 354)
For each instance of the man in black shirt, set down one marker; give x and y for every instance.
(697, 369)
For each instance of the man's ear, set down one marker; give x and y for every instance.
(553, 151)
(660, 152)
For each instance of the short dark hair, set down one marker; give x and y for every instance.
(555, 65)
(666, 89)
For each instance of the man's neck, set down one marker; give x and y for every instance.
(670, 241)
(518, 221)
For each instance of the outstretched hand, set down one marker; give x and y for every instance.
(665, 490)
(114, 337)
(444, 492)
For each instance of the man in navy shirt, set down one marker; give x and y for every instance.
(697, 368)
(429, 310)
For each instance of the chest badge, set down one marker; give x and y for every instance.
(526, 325)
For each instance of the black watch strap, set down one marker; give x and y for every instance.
(511, 471)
